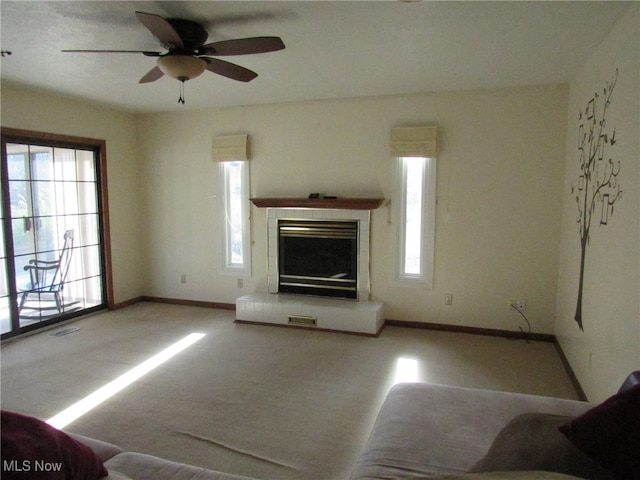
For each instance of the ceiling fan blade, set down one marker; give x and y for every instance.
(144, 52)
(152, 75)
(243, 46)
(229, 70)
(161, 29)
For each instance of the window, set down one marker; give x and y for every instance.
(415, 211)
(236, 252)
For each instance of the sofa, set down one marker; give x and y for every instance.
(425, 430)
(421, 431)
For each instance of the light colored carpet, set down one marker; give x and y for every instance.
(267, 402)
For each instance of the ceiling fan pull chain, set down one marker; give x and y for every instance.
(181, 99)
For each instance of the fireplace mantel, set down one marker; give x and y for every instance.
(334, 203)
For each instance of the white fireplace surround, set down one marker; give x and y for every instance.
(360, 316)
(361, 216)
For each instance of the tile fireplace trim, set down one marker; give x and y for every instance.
(328, 314)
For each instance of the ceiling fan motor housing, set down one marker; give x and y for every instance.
(193, 35)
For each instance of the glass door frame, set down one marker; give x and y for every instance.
(12, 135)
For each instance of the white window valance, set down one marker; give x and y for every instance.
(230, 148)
(417, 141)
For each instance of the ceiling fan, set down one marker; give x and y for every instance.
(188, 56)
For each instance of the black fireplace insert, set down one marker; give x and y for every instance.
(318, 257)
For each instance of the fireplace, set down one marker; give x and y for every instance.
(335, 243)
(318, 257)
(318, 267)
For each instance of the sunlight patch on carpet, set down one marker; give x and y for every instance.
(406, 370)
(94, 399)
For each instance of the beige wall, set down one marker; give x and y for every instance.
(609, 347)
(32, 110)
(499, 195)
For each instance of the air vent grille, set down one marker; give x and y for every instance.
(303, 320)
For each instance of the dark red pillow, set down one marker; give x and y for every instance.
(32, 448)
(610, 434)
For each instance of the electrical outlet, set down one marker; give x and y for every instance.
(520, 305)
(240, 283)
(448, 299)
(183, 278)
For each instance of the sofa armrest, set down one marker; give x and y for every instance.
(104, 450)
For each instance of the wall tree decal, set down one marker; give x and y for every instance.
(597, 189)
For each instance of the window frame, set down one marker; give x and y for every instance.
(228, 266)
(427, 231)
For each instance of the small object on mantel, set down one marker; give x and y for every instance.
(322, 195)
(325, 202)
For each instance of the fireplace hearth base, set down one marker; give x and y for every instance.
(327, 314)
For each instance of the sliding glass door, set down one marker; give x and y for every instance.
(53, 259)
(5, 318)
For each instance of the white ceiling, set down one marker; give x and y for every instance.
(335, 49)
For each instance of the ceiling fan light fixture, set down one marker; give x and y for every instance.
(181, 67)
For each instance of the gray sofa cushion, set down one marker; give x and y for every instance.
(531, 441)
(529, 475)
(104, 450)
(140, 466)
(113, 475)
